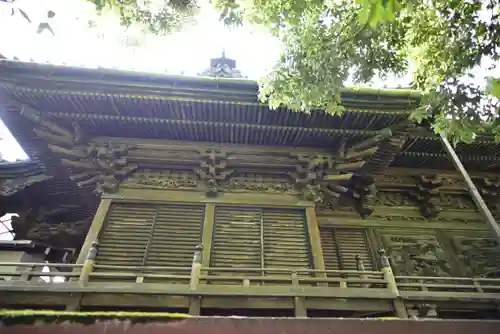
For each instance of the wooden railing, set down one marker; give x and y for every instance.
(198, 281)
(448, 284)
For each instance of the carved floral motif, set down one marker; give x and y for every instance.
(252, 182)
(162, 180)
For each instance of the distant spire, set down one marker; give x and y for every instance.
(222, 67)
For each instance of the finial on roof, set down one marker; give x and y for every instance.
(222, 67)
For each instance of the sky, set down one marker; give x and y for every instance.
(112, 46)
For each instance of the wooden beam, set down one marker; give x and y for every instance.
(95, 229)
(314, 239)
(207, 236)
(476, 197)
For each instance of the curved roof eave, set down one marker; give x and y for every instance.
(27, 73)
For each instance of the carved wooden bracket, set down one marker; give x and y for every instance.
(13, 186)
(104, 165)
(363, 191)
(44, 226)
(324, 178)
(426, 195)
(213, 170)
(310, 174)
(490, 190)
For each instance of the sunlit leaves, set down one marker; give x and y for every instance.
(159, 16)
(372, 12)
(444, 41)
(493, 87)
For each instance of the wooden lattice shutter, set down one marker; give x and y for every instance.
(150, 235)
(237, 238)
(285, 239)
(341, 245)
(125, 235)
(176, 232)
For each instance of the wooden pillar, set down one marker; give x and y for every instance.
(95, 229)
(476, 197)
(208, 231)
(399, 306)
(314, 240)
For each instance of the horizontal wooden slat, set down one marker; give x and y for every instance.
(342, 245)
(285, 239)
(151, 235)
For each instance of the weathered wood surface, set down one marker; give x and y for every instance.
(266, 326)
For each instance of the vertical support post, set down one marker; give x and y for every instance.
(476, 197)
(194, 301)
(95, 229)
(207, 234)
(360, 266)
(399, 306)
(299, 304)
(88, 266)
(315, 241)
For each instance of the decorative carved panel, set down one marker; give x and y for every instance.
(162, 179)
(392, 198)
(252, 182)
(478, 256)
(419, 255)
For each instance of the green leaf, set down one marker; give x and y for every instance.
(419, 114)
(493, 87)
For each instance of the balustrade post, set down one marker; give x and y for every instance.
(299, 303)
(360, 266)
(398, 303)
(88, 265)
(194, 301)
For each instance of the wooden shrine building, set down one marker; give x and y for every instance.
(187, 194)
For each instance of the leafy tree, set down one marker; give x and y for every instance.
(160, 16)
(440, 42)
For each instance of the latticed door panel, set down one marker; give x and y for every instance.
(150, 235)
(237, 238)
(342, 245)
(285, 238)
